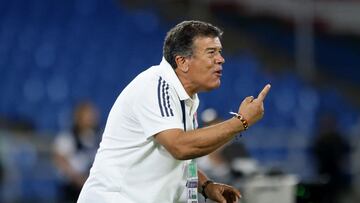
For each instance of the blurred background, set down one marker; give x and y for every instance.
(63, 63)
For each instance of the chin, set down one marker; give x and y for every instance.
(217, 84)
(213, 86)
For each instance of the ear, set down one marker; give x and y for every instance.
(182, 63)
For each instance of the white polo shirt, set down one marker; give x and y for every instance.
(130, 166)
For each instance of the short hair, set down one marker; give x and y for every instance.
(179, 40)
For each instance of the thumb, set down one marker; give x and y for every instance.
(249, 99)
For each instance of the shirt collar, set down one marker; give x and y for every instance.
(170, 75)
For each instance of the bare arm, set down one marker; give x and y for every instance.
(192, 144)
(196, 143)
(202, 178)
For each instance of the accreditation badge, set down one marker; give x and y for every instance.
(192, 182)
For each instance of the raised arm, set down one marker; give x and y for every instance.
(196, 143)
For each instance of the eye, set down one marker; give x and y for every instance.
(211, 53)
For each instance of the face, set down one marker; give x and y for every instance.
(86, 117)
(205, 65)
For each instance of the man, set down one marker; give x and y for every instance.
(151, 138)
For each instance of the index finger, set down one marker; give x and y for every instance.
(236, 192)
(264, 92)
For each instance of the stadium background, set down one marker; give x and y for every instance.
(54, 54)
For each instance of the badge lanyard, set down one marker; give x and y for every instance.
(191, 170)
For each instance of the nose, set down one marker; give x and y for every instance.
(220, 59)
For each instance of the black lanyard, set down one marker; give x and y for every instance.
(182, 102)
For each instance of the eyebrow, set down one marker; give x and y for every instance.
(213, 48)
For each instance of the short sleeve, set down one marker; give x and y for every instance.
(158, 108)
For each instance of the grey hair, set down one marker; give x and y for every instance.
(179, 39)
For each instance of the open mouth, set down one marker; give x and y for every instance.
(218, 73)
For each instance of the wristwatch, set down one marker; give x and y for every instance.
(203, 187)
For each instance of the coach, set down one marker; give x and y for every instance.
(151, 136)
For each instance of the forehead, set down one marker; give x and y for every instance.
(203, 43)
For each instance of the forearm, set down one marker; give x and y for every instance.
(202, 178)
(200, 142)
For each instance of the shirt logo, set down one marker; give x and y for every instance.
(164, 98)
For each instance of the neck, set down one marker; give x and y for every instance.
(190, 90)
(189, 87)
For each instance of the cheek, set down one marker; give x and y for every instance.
(207, 67)
(207, 75)
(203, 70)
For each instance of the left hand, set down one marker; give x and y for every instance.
(222, 193)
